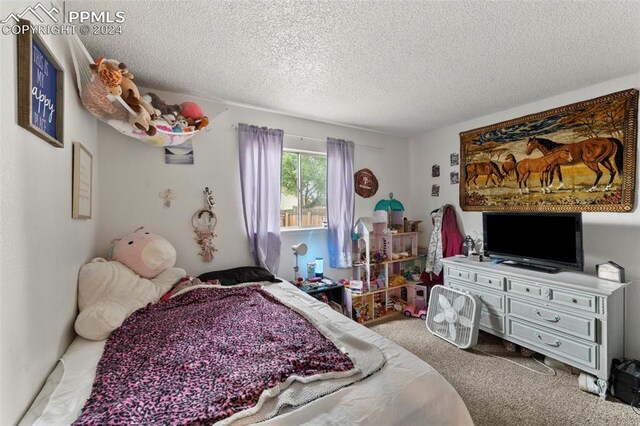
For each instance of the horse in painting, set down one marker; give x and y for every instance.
(592, 152)
(543, 165)
(488, 169)
(509, 165)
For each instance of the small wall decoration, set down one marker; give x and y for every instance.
(435, 190)
(40, 88)
(366, 183)
(179, 154)
(204, 222)
(167, 196)
(82, 182)
(454, 177)
(435, 170)
(579, 157)
(455, 159)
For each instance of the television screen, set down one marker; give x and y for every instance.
(546, 239)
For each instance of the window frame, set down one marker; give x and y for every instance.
(298, 153)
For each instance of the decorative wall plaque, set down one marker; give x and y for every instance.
(366, 183)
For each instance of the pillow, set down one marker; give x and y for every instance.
(243, 274)
(184, 283)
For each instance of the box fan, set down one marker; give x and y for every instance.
(454, 316)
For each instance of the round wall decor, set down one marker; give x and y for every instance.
(366, 183)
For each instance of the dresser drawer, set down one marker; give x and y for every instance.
(461, 274)
(578, 301)
(582, 327)
(495, 282)
(488, 300)
(584, 353)
(492, 321)
(524, 288)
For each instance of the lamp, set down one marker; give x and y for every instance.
(298, 249)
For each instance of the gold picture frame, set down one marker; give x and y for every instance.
(579, 157)
(82, 182)
(40, 88)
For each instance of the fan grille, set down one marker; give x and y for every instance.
(454, 316)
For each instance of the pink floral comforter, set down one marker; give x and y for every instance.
(204, 356)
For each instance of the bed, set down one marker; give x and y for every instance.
(404, 391)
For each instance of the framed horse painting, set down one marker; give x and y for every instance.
(579, 157)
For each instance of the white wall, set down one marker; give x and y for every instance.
(41, 247)
(132, 175)
(607, 236)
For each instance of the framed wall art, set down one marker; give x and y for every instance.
(610, 271)
(40, 88)
(579, 157)
(435, 170)
(82, 182)
(179, 154)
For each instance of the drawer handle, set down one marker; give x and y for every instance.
(527, 289)
(554, 344)
(555, 318)
(574, 300)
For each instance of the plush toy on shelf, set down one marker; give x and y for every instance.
(194, 115)
(146, 115)
(187, 117)
(140, 272)
(109, 74)
(164, 111)
(104, 85)
(163, 108)
(182, 125)
(117, 79)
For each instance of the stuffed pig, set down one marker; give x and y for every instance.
(145, 253)
(110, 291)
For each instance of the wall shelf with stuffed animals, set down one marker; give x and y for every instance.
(108, 92)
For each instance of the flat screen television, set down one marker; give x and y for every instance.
(542, 241)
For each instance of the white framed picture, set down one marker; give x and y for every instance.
(82, 182)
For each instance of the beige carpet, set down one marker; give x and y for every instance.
(499, 393)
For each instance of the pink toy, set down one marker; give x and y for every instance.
(144, 253)
(191, 110)
(413, 311)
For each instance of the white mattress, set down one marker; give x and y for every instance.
(405, 391)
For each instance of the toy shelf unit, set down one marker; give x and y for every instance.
(388, 267)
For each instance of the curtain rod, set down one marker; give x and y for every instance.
(322, 140)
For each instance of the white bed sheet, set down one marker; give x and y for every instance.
(406, 391)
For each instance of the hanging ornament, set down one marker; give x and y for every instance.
(167, 195)
(204, 222)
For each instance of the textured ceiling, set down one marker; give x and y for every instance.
(400, 67)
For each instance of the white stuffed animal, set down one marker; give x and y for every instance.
(140, 272)
(108, 292)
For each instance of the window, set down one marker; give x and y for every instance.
(303, 197)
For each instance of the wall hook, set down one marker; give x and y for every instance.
(208, 195)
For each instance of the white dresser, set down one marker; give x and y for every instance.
(570, 316)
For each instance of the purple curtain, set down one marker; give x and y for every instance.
(340, 201)
(260, 169)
